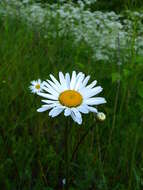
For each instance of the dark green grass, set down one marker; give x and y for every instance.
(32, 144)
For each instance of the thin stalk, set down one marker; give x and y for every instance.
(133, 160)
(80, 142)
(117, 91)
(123, 100)
(67, 156)
(38, 136)
(42, 173)
(114, 111)
(100, 157)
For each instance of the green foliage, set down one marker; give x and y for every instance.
(106, 5)
(32, 144)
(117, 5)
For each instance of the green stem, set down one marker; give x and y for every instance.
(67, 157)
(114, 112)
(79, 143)
(117, 91)
(133, 160)
(100, 157)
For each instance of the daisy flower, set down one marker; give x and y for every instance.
(71, 95)
(36, 86)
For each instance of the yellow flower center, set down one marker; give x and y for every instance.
(37, 86)
(70, 98)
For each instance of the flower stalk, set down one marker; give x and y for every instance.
(67, 155)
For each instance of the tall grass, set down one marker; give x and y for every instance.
(32, 144)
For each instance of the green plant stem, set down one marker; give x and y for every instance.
(42, 173)
(100, 157)
(133, 160)
(114, 112)
(80, 142)
(67, 156)
(118, 89)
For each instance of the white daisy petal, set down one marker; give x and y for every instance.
(95, 101)
(42, 109)
(51, 91)
(55, 87)
(83, 109)
(62, 80)
(39, 81)
(92, 84)
(79, 75)
(79, 121)
(33, 82)
(67, 112)
(48, 85)
(73, 80)
(67, 78)
(76, 112)
(76, 119)
(49, 101)
(92, 92)
(73, 116)
(87, 88)
(55, 81)
(85, 81)
(79, 82)
(49, 96)
(92, 109)
(56, 111)
(51, 105)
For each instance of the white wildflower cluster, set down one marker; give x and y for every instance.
(134, 25)
(85, 2)
(98, 30)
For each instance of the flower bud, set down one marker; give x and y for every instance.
(101, 116)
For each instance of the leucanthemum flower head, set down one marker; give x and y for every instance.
(36, 86)
(71, 95)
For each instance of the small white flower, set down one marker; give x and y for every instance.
(71, 95)
(36, 86)
(101, 116)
